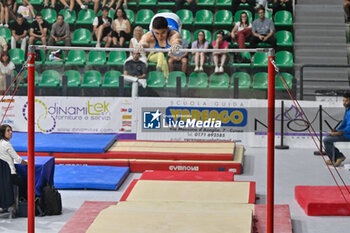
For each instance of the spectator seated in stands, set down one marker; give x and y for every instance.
(6, 69)
(179, 57)
(138, 33)
(64, 3)
(135, 71)
(60, 32)
(180, 3)
(347, 10)
(242, 30)
(3, 45)
(121, 28)
(8, 10)
(219, 43)
(278, 5)
(263, 30)
(199, 58)
(38, 30)
(19, 32)
(26, 10)
(84, 4)
(235, 5)
(102, 28)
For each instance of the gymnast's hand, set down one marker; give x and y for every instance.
(175, 48)
(139, 49)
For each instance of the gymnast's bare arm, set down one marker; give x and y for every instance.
(148, 40)
(175, 38)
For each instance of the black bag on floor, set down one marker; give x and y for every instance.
(51, 200)
(23, 208)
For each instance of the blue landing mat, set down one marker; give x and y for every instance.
(89, 177)
(62, 142)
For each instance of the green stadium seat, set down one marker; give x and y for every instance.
(111, 79)
(130, 15)
(207, 35)
(42, 61)
(69, 16)
(198, 80)
(186, 16)
(206, 3)
(6, 34)
(49, 15)
(284, 59)
(34, 2)
(168, 4)
(284, 38)
(91, 79)
(238, 15)
(260, 81)
(76, 58)
(279, 84)
(223, 3)
(243, 80)
(223, 18)
(173, 77)
(283, 18)
(132, 3)
(116, 58)
(245, 56)
(219, 81)
(148, 3)
(73, 78)
(49, 78)
(186, 34)
(155, 79)
(24, 81)
(260, 60)
(203, 17)
(48, 62)
(81, 36)
(96, 58)
(164, 11)
(268, 15)
(17, 56)
(85, 17)
(144, 17)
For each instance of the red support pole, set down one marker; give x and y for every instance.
(270, 142)
(31, 125)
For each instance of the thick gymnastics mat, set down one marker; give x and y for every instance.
(190, 191)
(89, 177)
(187, 175)
(84, 216)
(172, 150)
(63, 142)
(136, 220)
(323, 200)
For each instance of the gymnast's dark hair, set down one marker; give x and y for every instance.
(346, 94)
(3, 130)
(160, 23)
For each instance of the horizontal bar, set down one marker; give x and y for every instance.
(45, 47)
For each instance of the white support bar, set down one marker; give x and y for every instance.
(44, 47)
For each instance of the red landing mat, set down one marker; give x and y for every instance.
(85, 215)
(133, 183)
(189, 176)
(282, 221)
(323, 200)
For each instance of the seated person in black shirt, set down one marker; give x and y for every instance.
(135, 71)
(19, 32)
(38, 30)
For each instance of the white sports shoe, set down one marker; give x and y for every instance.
(196, 69)
(221, 69)
(143, 82)
(216, 70)
(201, 69)
(83, 7)
(98, 45)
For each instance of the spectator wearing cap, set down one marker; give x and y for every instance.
(219, 43)
(60, 32)
(19, 32)
(38, 30)
(263, 30)
(102, 28)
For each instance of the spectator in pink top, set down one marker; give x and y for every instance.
(219, 43)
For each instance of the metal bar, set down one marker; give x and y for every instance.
(31, 171)
(282, 146)
(270, 142)
(235, 88)
(44, 47)
(317, 152)
(178, 86)
(317, 80)
(121, 86)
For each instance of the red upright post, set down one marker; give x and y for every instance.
(270, 142)
(31, 171)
